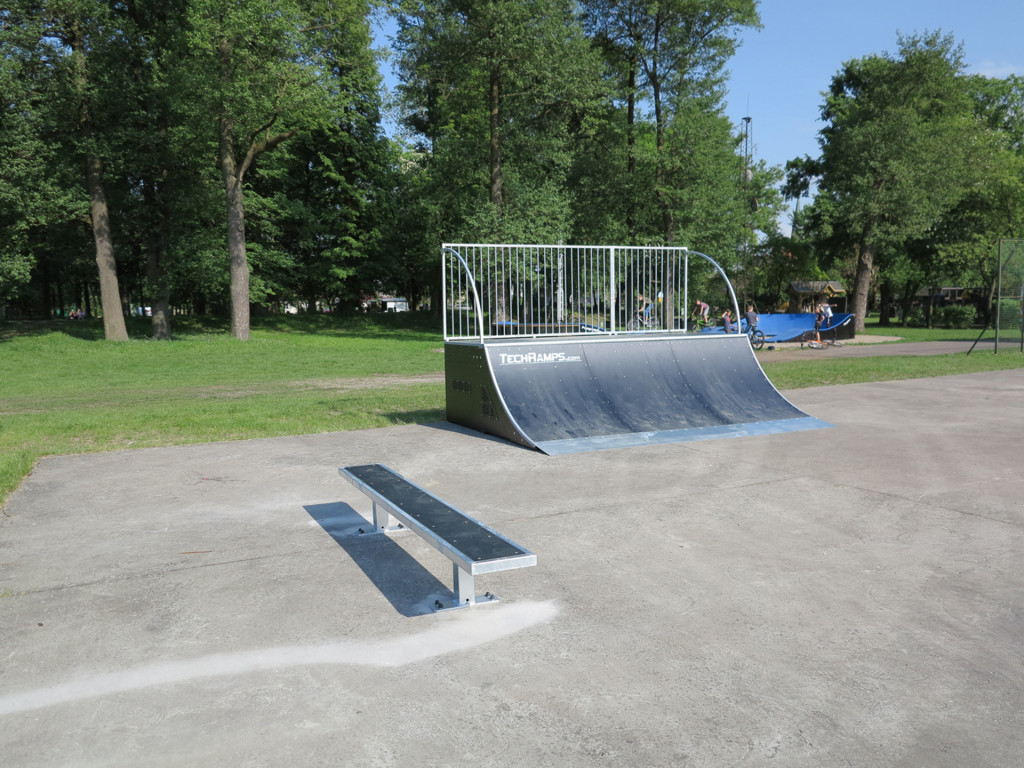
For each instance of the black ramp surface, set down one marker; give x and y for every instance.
(584, 394)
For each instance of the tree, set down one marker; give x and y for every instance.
(898, 150)
(265, 71)
(22, 174)
(76, 35)
(968, 235)
(320, 213)
(493, 91)
(670, 56)
(74, 41)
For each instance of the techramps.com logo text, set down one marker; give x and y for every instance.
(536, 358)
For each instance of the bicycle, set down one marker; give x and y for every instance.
(823, 344)
(813, 343)
(756, 336)
(642, 320)
(700, 322)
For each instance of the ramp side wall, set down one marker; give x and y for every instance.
(472, 397)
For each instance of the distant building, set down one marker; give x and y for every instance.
(942, 296)
(804, 295)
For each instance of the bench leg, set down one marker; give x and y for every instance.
(465, 591)
(381, 518)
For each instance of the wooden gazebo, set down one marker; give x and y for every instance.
(809, 293)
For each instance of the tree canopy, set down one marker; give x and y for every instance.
(905, 145)
(191, 156)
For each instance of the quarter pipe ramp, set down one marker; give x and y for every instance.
(569, 395)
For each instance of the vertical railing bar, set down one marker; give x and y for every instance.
(548, 272)
(543, 302)
(592, 282)
(611, 289)
(536, 258)
(543, 298)
(686, 288)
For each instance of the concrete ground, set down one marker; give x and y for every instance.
(850, 596)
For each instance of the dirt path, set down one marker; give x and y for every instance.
(43, 403)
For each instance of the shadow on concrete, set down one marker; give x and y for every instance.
(407, 585)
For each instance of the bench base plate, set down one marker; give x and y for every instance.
(443, 606)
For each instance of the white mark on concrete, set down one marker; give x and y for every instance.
(459, 631)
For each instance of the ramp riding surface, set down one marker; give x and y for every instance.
(567, 395)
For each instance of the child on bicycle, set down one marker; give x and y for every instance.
(752, 318)
(700, 312)
(644, 308)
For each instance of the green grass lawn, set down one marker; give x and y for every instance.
(872, 328)
(63, 389)
(828, 371)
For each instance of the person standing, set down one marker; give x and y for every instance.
(727, 321)
(752, 318)
(819, 318)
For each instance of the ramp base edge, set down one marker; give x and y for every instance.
(633, 439)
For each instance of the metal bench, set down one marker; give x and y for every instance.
(472, 547)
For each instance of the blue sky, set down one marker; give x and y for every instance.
(778, 74)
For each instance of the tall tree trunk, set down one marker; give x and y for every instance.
(157, 275)
(236, 233)
(907, 304)
(885, 302)
(660, 131)
(47, 288)
(990, 310)
(497, 182)
(159, 292)
(494, 103)
(862, 281)
(631, 202)
(113, 320)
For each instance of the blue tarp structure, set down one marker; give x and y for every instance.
(788, 327)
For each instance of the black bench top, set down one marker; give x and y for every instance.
(473, 539)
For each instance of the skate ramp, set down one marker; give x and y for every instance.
(580, 394)
(782, 327)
